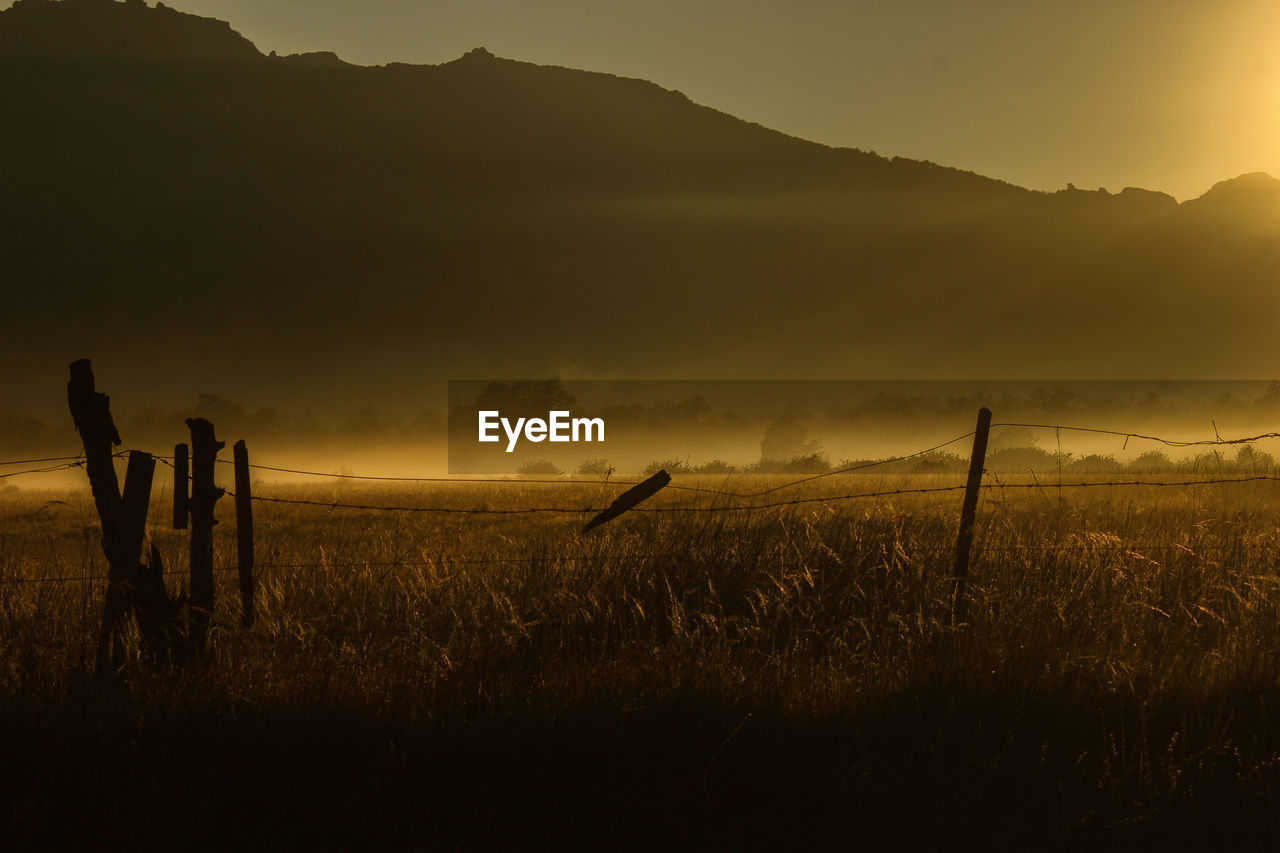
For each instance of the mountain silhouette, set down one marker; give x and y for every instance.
(1249, 202)
(79, 30)
(195, 211)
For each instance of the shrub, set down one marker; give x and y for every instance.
(672, 466)
(1095, 463)
(808, 463)
(539, 467)
(594, 468)
(1023, 459)
(939, 463)
(1253, 460)
(1151, 462)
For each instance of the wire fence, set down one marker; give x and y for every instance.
(1193, 551)
(64, 463)
(65, 466)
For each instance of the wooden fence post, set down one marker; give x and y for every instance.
(156, 613)
(204, 494)
(629, 499)
(181, 487)
(964, 542)
(126, 556)
(244, 530)
(91, 411)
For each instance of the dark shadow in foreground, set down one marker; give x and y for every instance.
(925, 771)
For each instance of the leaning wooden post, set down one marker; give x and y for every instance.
(244, 530)
(964, 542)
(91, 411)
(181, 487)
(126, 557)
(204, 494)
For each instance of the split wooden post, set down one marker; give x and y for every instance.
(964, 542)
(204, 494)
(126, 557)
(155, 612)
(181, 486)
(91, 411)
(244, 531)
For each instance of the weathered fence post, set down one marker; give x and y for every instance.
(630, 498)
(156, 613)
(964, 542)
(126, 556)
(204, 494)
(91, 411)
(181, 487)
(244, 530)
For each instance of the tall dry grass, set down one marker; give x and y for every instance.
(1118, 673)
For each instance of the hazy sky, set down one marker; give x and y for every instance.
(1165, 94)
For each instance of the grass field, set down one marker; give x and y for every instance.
(774, 679)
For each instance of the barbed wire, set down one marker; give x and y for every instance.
(49, 470)
(564, 510)
(13, 462)
(496, 480)
(67, 463)
(1210, 481)
(1168, 442)
(563, 481)
(596, 510)
(772, 504)
(861, 466)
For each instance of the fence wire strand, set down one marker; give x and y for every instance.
(13, 462)
(1168, 442)
(49, 470)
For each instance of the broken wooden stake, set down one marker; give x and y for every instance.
(204, 494)
(157, 615)
(91, 411)
(126, 553)
(630, 498)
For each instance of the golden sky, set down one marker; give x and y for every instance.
(1165, 94)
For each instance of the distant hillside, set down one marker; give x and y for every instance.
(155, 78)
(195, 212)
(96, 30)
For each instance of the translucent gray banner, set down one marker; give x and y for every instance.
(588, 428)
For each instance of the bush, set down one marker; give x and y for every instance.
(539, 468)
(809, 463)
(594, 468)
(1023, 459)
(1095, 463)
(1151, 462)
(672, 466)
(939, 463)
(1253, 460)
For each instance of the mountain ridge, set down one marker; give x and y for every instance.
(105, 29)
(374, 228)
(134, 31)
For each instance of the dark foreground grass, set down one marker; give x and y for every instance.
(782, 679)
